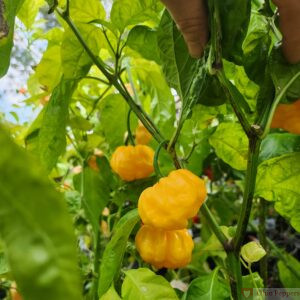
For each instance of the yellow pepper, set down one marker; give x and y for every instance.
(132, 162)
(142, 135)
(164, 248)
(287, 117)
(172, 201)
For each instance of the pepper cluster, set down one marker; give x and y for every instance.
(165, 208)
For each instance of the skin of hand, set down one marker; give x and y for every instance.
(192, 20)
(289, 23)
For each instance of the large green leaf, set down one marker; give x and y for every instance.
(282, 73)
(86, 11)
(256, 48)
(95, 188)
(75, 61)
(36, 228)
(231, 145)
(132, 12)
(52, 135)
(178, 66)
(29, 11)
(114, 251)
(278, 180)
(277, 144)
(48, 71)
(208, 287)
(235, 17)
(143, 39)
(143, 284)
(111, 294)
(287, 278)
(113, 116)
(8, 11)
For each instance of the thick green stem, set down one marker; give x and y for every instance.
(254, 146)
(235, 274)
(263, 241)
(96, 266)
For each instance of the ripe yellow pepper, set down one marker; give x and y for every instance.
(172, 201)
(132, 162)
(142, 135)
(287, 117)
(164, 248)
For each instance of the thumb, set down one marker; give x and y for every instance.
(192, 21)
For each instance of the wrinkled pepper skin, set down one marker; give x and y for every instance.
(132, 162)
(287, 117)
(172, 201)
(164, 248)
(142, 135)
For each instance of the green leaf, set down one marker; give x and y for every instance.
(277, 144)
(178, 66)
(252, 281)
(231, 145)
(95, 187)
(86, 11)
(132, 12)
(208, 287)
(48, 71)
(4, 268)
(111, 294)
(256, 48)
(143, 284)
(143, 40)
(29, 11)
(52, 135)
(114, 251)
(278, 180)
(287, 278)
(75, 61)
(8, 11)
(212, 93)
(113, 116)
(34, 220)
(282, 73)
(235, 17)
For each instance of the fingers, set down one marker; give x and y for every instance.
(191, 19)
(289, 23)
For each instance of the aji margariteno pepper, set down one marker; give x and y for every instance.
(172, 201)
(287, 117)
(142, 135)
(164, 248)
(132, 162)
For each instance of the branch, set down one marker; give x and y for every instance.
(254, 146)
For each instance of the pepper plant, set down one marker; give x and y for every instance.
(108, 73)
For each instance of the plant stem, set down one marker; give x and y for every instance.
(131, 139)
(144, 118)
(213, 225)
(262, 239)
(235, 274)
(234, 102)
(254, 146)
(96, 266)
(275, 103)
(155, 160)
